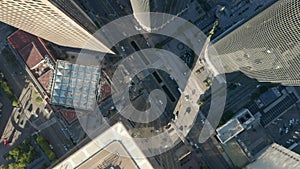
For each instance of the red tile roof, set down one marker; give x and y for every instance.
(105, 90)
(69, 115)
(31, 55)
(45, 79)
(20, 39)
(33, 50)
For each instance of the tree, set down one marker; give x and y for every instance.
(46, 148)
(14, 103)
(52, 156)
(3, 167)
(15, 153)
(38, 99)
(22, 155)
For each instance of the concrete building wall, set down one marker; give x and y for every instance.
(142, 8)
(43, 19)
(70, 8)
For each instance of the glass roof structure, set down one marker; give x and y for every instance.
(75, 85)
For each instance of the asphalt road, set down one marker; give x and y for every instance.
(6, 111)
(212, 155)
(7, 108)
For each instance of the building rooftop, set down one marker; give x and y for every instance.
(35, 54)
(21, 39)
(105, 159)
(105, 91)
(234, 126)
(269, 96)
(276, 157)
(108, 150)
(75, 85)
(31, 55)
(69, 115)
(45, 79)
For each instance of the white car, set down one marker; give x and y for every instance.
(160, 102)
(65, 147)
(123, 49)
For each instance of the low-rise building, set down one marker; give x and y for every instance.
(75, 86)
(39, 62)
(235, 126)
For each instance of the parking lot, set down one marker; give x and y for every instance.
(285, 130)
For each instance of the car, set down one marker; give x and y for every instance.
(190, 142)
(50, 145)
(160, 102)
(137, 28)
(66, 148)
(5, 141)
(180, 91)
(123, 49)
(275, 123)
(148, 44)
(238, 84)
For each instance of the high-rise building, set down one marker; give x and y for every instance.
(267, 47)
(52, 21)
(142, 8)
(70, 8)
(114, 148)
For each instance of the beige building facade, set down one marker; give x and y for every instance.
(43, 19)
(267, 46)
(144, 12)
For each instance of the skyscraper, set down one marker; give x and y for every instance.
(141, 9)
(267, 47)
(47, 20)
(70, 8)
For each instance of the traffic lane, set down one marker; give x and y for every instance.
(6, 111)
(212, 156)
(56, 138)
(5, 30)
(14, 79)
(102, 8)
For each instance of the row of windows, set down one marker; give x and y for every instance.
(277, 31)
(39, 19)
